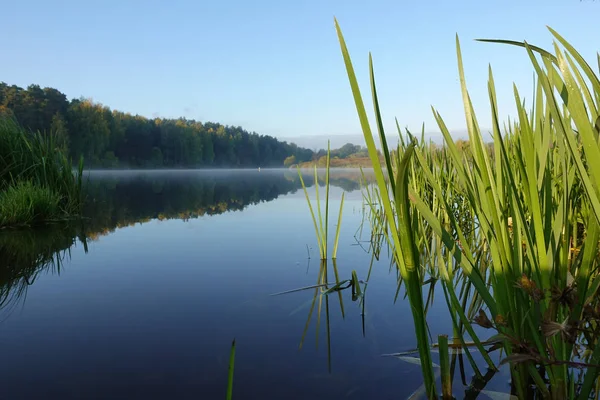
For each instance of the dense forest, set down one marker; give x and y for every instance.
(110, 138)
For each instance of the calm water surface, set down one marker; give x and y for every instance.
(143, 299)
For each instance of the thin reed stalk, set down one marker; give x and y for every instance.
(230, 372)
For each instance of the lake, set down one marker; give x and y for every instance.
(144, 297)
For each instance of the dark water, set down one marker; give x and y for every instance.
(142, 300)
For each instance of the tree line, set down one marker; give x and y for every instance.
(110, 138)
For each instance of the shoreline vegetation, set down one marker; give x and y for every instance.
(510, 231)
(111, 139)
(353, 156)
(349, 162)
(114, 139)
(37, 182)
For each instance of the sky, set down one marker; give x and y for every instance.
(275, 66)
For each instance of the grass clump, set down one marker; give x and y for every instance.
(510, 230)
(27, 204)
(37, 182)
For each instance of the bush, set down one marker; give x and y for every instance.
(289, 161)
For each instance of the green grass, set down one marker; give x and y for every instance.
(27, 204)
(37, 182)
(510, 230)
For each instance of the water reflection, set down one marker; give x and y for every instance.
(117, 199)
(24, 254)
(150, 311)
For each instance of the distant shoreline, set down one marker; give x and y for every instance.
(309, 165)
(350, 162)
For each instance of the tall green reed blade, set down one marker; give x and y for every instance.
(382, 138)
(576, 106)
(589, 100)
(337, 230)
(581, 118)
(521, 44)
(322, 235)
(519, 219)
(327, 200)
(411, 267)
(488, 201)
(445, 368)
(532, 195)
(230, 375)
(462, 256)
(589, 72)
(586, 134)
(408, 263)
(489, 212)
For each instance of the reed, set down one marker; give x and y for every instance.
(445, 368)
(509, 229)
(37, 182)
(321, 223)
(230, 373)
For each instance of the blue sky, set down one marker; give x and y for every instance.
(275, 67)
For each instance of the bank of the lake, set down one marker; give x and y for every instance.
(37, 182)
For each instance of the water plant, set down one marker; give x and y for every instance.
(322, 227)
(230, 373)
(509, 229)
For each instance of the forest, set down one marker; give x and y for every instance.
(114, 139)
